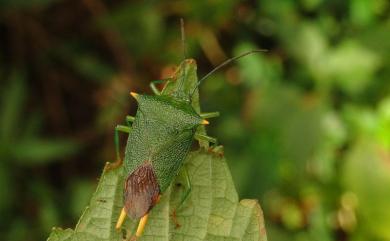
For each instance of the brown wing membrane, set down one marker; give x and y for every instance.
(141, 191)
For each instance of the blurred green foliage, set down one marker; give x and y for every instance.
(306, 126)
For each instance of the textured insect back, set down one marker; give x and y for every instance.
(162, 133)
(181, 86)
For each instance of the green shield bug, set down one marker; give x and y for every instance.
(159, 139)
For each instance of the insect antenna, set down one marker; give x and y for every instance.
(226, 62)
(183, 43)
(183, 38)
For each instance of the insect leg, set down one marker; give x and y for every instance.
(142, 222)
(206, 138)
(188, 187)
(118, 162)
(141, 225)
(129, 119)
(120, 128)
(208, 115)
(121, 219)
(140, 228)
(154, 88)
(184, 174)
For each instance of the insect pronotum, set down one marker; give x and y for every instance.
(159, 139)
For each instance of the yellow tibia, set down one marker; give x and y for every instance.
(121, 219)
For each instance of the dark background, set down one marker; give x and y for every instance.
(306, 126)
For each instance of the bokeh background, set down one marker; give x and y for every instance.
(306, 126)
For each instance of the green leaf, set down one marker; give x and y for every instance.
(212, 211)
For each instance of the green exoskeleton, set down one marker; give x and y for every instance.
(159, 139)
